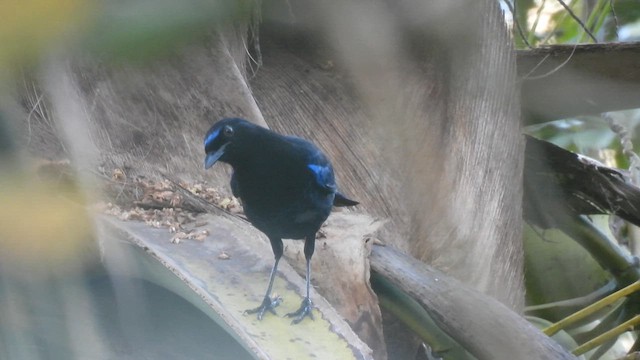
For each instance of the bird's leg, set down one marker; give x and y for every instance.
(306, 307)
(269, 303)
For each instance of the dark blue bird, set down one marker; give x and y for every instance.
(286, 185)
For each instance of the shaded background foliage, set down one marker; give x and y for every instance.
(608, 137)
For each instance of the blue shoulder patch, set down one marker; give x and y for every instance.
(323, 175)
(211, 137)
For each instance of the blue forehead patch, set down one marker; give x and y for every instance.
(211, 137)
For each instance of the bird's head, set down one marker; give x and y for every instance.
(224, 138)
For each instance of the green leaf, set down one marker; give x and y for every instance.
(147, 28)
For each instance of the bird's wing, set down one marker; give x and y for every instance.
(323, 174)
(235, 187)
(321, 168)
(315, 161)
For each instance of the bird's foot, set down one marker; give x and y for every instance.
(268, 303)
(305, 309)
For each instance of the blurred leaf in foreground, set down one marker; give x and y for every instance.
(29, 27)
(137, 30)
(42, 225)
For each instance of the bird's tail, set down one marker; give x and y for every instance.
(341, 200)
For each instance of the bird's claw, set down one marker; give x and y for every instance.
(306, 309)
(268, 303)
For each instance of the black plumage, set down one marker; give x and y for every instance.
(286, 185)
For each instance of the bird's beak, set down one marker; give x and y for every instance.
(211, 158)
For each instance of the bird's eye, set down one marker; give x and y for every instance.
(227, 131)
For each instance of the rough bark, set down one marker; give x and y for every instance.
(483, 325)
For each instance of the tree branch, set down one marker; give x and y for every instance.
(578, 80)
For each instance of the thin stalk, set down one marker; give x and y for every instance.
(532, 32)
(609, 335)
(607, 253)
(592, 20)
(591, 309)
(577, 19)
(555, 28)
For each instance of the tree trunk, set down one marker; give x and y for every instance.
(417, 103)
